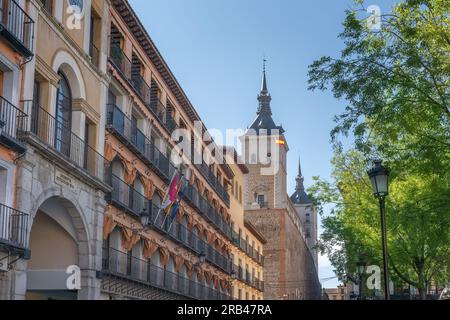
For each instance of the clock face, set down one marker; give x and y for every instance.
(77, 3)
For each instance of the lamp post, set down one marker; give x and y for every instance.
(361, 268)
(379, 177)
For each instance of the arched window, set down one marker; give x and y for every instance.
(138, 199)
(156, 204)
(120, 189)
(63, 116)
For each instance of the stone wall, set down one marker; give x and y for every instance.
(289, 270)
(36, 183)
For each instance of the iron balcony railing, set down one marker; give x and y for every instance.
(58, 136)
(126, 197)
(17, 27)
(245, 276)
(245, 247)
(142, 88)
(121, 61)
(47, 5)
(13, 122)
(181, 234)
(213, 181)
(209, 212)
(94, 53)
(127, 131)
(13, 227)
(160, 112)
(124, 265)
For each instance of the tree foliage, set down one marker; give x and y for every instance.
(396, 81)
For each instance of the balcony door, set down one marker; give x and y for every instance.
(63, 116)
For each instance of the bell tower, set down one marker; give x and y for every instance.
(264, 149)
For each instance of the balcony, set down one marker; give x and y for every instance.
(13, 228)
(58, 142)
(142, 88)
(214, 182)
(12, 123)
(17, 27)
(247, 278)
(209, 212)
(125, 266)
(121, 61)
(180, 234)
(127, 198)
(246, 248)
(127, 132)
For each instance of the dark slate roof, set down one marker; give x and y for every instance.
(265, 121)
(300, 197)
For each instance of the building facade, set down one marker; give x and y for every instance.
(290, 270)
(59, 177)
(247, 257)
(88, 113)
(188, 258)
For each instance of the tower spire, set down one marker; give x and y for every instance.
(300, 179)
(264, 96)
(300, 196)
(264, 80)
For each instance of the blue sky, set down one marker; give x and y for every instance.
(215, 49)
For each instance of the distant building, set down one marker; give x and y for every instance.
(290, 267)
(339, 293)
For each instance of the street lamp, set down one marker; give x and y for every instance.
(379, 177)
(361, 268)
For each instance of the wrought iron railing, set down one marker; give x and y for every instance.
(132, 136)
(126, 197)
(122, 264)
(158, 109)
(213, 181)
(201, 204)
(12, 118)
(245, 276)
(180, 233)
(17, 25)
(59, 137)
(47, 5)
(141, 87)
(121, 61)
(13, 226)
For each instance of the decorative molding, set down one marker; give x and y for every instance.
(46, 71)
(82, 105)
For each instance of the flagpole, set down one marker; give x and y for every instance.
(165, 197)
(176, 199)
(179, 201)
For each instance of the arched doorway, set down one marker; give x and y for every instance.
(56, 243)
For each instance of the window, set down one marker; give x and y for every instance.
(63, 116)
(47, 5)
(261, 200)
(239, 294)
(94, 33)
(246, 296)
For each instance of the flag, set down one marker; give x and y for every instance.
(174, 210)
(171, 195)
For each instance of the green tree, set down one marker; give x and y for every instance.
(418, 220)
(396, 81)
